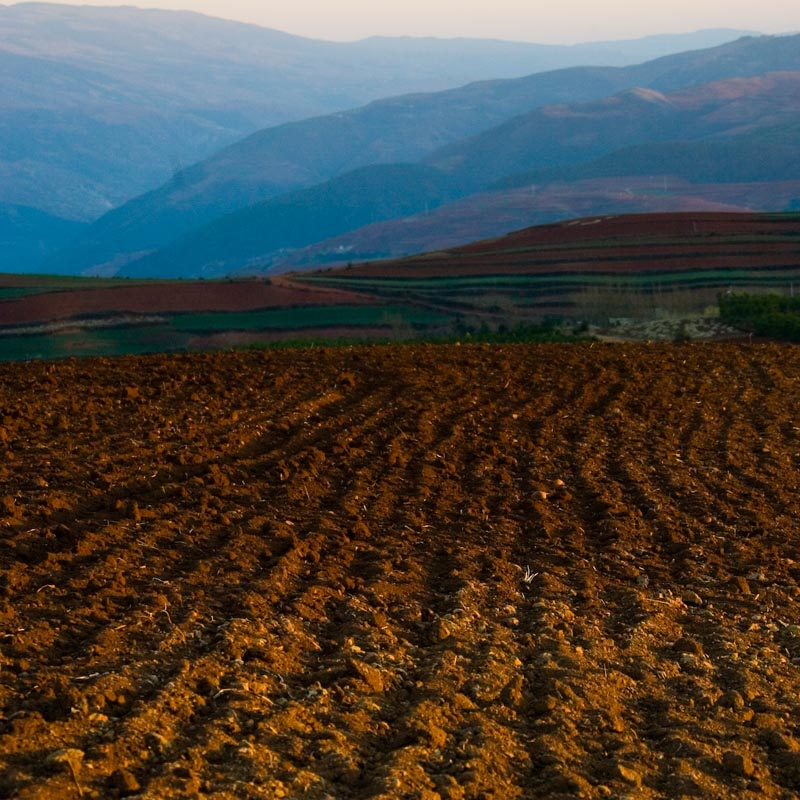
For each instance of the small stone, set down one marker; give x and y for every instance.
(124, 781)
(627, 774)
(462, 703)
(512, 694)
(738, 764)
(442, 630)
(156, 743)
(742, 585)
(732, 700)
(691, 598)
(687, 645)
(372, 676)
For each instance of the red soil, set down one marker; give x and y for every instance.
(425, 572)
(154, 298)
(485, 215)
(626, 243)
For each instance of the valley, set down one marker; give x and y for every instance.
(684, 117)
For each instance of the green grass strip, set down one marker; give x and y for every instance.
(306, 317)
(439, 283)
(15, 292)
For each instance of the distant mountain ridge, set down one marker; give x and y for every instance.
(723, 114)
(86, 92)
(408, 128)
(568, 134)
(561, 135)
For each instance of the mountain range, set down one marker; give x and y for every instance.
(98, 105)
(301, 191)
(183, 229)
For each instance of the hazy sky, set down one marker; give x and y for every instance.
(556, 21)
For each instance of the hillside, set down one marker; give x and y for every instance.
(305, 153)
(770, 153)
(28, 235)
(98, 105)
(561, 135)
(594, 268)
(491, 214)
(294, 220)
(712, 114)
(401, 129)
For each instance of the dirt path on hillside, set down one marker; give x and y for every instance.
(402, 572)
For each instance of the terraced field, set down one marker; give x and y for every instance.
(51, 317)
(642, 267)
(410, 571)
(629, 265)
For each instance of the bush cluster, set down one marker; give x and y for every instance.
(771, 315)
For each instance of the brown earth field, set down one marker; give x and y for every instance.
(554, 571)
(71, 300)
(611, 243)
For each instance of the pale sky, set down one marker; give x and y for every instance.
(555, 21)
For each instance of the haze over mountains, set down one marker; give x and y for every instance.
(100, 104)
(112, 100)
(725, 114)
(436, 128)
(568, 134)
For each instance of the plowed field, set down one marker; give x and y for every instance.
(408, 572)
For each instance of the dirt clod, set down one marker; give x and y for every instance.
(627, 774)
(124, 782)
(691, 597)
(738, 764)
(732, 700)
